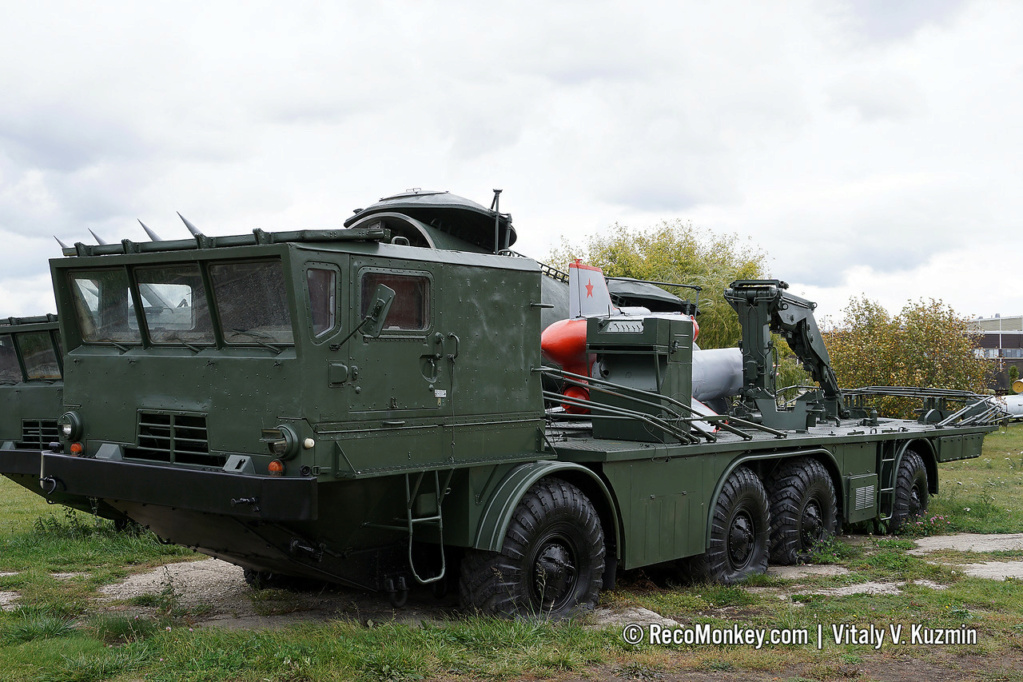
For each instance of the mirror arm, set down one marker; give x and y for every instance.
(353, 332)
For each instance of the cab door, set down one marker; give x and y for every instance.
(404, 370)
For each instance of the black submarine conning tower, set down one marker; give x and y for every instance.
(487, 229)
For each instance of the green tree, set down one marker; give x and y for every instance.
(676, 251)
(927, 344)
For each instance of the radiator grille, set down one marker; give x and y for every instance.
(38, 433)
(175, 438)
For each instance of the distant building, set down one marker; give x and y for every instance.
(1002, 344)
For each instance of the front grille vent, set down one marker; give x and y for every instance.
(174, 438)
(37, 434)
(864, 497)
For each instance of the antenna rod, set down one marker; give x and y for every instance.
(495, 206)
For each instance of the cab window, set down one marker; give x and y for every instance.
(322, 283)
(174, 303)
(37, 352)
(10, 370)
(252, 302)
(410, 310)
(103, 306)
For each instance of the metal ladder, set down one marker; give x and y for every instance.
(887, 480)
(411, 492)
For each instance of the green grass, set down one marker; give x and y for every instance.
(985, 495)
(58, 631)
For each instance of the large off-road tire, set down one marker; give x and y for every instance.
(551, 563)
(804, 510)
(739, 534)
(911, 494)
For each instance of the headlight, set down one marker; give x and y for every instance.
(282, 442)
(70, 425)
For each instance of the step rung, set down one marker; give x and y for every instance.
(426, 518)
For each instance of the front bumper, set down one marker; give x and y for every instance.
(20, 462)
(245, 496)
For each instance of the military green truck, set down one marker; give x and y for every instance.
(366, 406)
(31, 384)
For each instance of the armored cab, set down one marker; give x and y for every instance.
(226, 391)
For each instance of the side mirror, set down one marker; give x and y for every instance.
(371, 325)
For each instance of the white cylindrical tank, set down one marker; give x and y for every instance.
(717, 373)
(1013, 404)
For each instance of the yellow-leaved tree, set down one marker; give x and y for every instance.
(677, 252)
(927, 344)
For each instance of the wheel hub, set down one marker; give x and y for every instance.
(554, 574)
(914, 501)
(740, 540)
(811, 524)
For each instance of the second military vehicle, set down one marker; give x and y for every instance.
(366, 406)
(30, 383)
(31, 387)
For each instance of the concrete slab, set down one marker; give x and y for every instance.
(604, 616)
(995, 570)
(969, 542)
(796, 572)
(7, 600)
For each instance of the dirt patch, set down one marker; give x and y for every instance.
(68, 576)
(7, 574)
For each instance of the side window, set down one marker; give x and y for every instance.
(37, 352)
(322, 283)
(410, 310)
(10, 370)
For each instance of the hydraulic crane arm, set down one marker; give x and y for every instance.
(764, 306)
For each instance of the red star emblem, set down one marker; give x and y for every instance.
(589, 289)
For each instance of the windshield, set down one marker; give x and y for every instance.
(252, 302)
(10, 370)
(250, 298)
(103, 306)
(37, 351)
(174, 302)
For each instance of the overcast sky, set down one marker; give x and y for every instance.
(869, 147)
